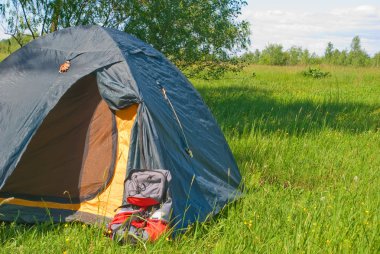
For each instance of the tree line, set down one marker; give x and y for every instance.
(274, 54)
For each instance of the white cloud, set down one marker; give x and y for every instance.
(313, 30)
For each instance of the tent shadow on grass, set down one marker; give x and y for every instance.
(241, 110)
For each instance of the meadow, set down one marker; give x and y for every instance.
(7, 47)
(308, 150)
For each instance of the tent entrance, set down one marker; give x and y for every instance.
(71, 158)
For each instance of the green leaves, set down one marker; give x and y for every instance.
(315, 73)
(191, 32)
(186, 31)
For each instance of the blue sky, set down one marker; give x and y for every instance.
(312, 24)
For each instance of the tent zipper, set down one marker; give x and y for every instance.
(187, 149)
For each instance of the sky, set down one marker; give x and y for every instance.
(312, 24)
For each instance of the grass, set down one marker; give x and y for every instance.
(8, 46)
(3, 56)
(308, 150)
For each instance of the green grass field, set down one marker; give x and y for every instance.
(3, 56)
(309, 153)
(7, 46)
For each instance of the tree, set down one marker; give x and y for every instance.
(342, 57)
(251, 58)
(357, 56)
(329, 52)
(273, 54)
(295, 55)
(376, 60)
(315, 59)
(305, 58)
(356, 44)
(187, 31)
(257, 55)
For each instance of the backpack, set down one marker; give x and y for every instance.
(145, 213)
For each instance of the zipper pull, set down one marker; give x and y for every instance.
(164, 93)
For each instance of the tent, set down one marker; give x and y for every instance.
(68, 139)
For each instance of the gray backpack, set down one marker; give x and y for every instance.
(146, 209)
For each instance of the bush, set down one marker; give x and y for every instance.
(315, 73)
